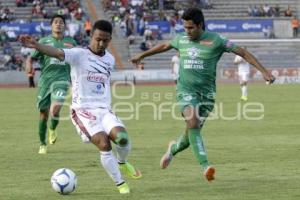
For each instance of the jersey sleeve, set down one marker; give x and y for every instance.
(74, 43)
(73, 55)
(174, 43)
(227, 45)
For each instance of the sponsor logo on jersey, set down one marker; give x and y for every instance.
(193, 64)
(187, 97)
(96, 77)
(55, 61)
(86, 114)
(206, 42)
(184, 41)
(67, 44)
(193, 52)
(99, 86)
(49, 42)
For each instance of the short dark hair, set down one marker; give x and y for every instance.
(103, 25)
(194, 14)
(58, 16)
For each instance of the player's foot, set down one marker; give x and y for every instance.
(123, 188)
(209, 173)
(52, 136)
(43, 149)
(244, 98)
(167, 157)
(130, 171)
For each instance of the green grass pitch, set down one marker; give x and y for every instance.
(255, 159)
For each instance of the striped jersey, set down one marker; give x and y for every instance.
(90, 77)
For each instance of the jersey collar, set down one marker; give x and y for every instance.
(96, 53)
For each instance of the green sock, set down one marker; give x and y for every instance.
(54, 123)
(182, 143)
(198, 146)
(42, 131)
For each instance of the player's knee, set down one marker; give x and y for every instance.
(193, 123)
(104, 146)
(101, 141)
(44, 114)
(122, 139)
(55, 110)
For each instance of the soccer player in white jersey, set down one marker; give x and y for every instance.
(175, 66)
(243, 73)
(91, 100)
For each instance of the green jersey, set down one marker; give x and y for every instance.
(52, 69)
(198, 62)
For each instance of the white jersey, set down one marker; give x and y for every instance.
(243, 66)
(90, 76)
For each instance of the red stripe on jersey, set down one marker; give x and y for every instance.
(80, 124)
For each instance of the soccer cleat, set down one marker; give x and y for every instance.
(209, 173)
(43, 149)
(123, 188)
(167, 157)
(52, 136)
(130, 171)
(244, 98)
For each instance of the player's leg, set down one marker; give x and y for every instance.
(182, 142)
(108, 160)
(175, 147)
(54, 121)
(118, 134)
(87, 122)
(243, 83)
(123, 146)
(43, 104)
(43, 130)
(58, 96)
(194, 123)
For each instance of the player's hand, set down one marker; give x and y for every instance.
(136, 59)
(269, 78)
(27, 41)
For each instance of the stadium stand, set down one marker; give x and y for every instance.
(239, 9)
(37, 11)
(272, 53)
(219, 10)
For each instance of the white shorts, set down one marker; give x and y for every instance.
(243, 77)
(88, 122)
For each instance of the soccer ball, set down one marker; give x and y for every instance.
(64, 181)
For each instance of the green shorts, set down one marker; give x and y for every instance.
(203, 104)
(54, 93)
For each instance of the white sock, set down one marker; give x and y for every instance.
(244, 90)
(122, 152)
(110, 164)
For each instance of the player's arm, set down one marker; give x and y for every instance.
(253, 61)
(159, 48)
(29, 61)
(30, 42)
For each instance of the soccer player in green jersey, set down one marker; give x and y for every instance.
(53, 83)
(200, 52)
